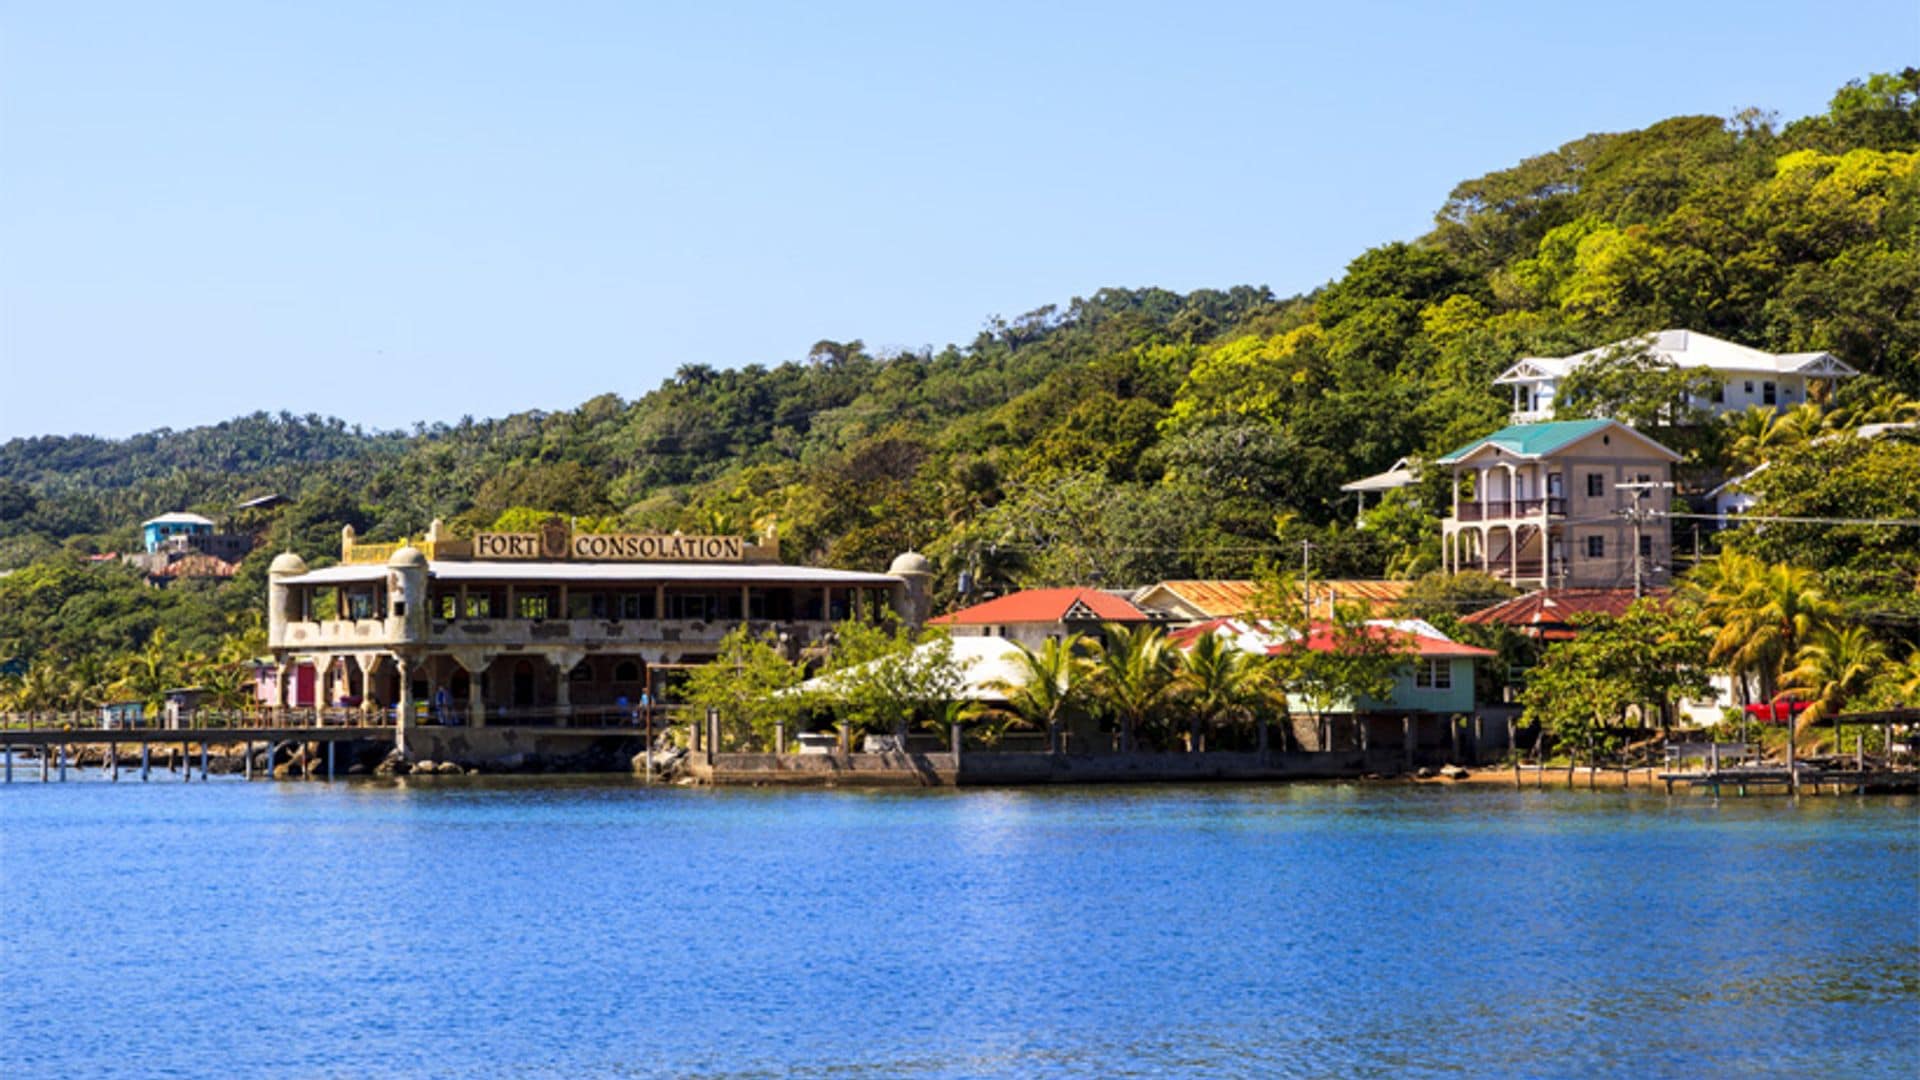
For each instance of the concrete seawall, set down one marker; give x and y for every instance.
(1010, 769)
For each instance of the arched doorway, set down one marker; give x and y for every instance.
(523, 684)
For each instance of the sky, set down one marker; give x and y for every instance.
(413, 212)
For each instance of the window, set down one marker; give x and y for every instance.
(1768, 395)
(447, 603)
(532, 607)
(1749, 387)
(1646, 547)
(1719, 393)
(1596, 485)
(1596, 547)
(1433, 675)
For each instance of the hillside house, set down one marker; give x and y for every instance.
(1746, 376)
(1542, 504)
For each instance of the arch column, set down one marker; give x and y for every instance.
(474, 662)
(564, 661)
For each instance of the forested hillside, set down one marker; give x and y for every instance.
(1129, 436)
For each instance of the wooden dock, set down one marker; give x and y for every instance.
(53, 748)
(1778, 779)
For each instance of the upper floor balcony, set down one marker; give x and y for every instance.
(507, 633)
(1512, 509)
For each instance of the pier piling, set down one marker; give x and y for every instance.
(63, 763)
(46, 765)
(203, 763)
(113, 762)
(330, 747)
(246, 760)
(146, 759)
(9, 763)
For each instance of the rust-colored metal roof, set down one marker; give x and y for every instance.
(1229, 598)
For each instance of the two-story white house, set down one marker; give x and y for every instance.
(1544, 504)
(1747, 377)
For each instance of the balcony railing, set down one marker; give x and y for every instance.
(1502, 510)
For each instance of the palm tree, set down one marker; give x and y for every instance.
(149, 673)
(1133, 676)
(1216, 680)
(1052, 683)
(1835, 665)
(1759, 434)
(1878, 404)
(1761, 613)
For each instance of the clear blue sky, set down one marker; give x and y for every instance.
(393, 212)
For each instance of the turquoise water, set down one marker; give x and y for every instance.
(530, 929)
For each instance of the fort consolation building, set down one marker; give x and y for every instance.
(551, 627)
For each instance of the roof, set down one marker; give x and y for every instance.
(716, 573)
(1549, 612)
(261, 502)
(989, 663)
(196, 566)
(1220, 599)
(1400, 475)
(1211, 599)
(1046, 606)
(1539, 440)
(1687, 349)
(178, 518)
(1420, 638)
(1411, 635)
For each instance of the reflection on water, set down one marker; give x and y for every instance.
(543, 927)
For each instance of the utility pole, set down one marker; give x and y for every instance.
(1638, 515)
(1306, 582)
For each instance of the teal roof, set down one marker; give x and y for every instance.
(1532, 440)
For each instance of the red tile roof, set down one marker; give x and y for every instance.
(1549, 612)
(196, 566)
(1045, 606)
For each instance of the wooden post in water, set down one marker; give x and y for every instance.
(9, 763)
(246, 764)
(1406, 740)
(146, 759)
(330, 745)
(203, 762)
(1453, 739)
(1860, 761)
(63, 763)
(1713, 765)
(1793, 765)
(113, 762)
(269, 759)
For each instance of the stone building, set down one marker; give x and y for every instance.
(550, 628)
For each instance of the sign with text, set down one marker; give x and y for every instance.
(609, 547)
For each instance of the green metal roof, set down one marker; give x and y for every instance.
(1532, 440)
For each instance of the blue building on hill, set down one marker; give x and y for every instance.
(157, 531)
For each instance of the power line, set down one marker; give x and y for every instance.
(1911, 523)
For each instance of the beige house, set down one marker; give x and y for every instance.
(1571, 503)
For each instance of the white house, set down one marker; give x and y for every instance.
(1747, 376)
